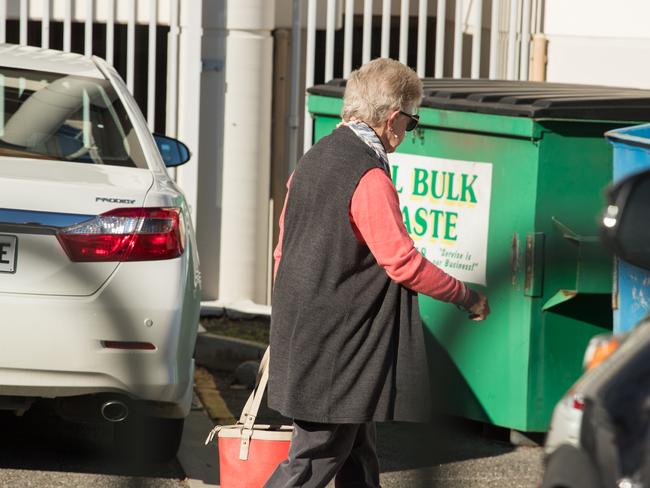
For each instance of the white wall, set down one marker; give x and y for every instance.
(598, 42)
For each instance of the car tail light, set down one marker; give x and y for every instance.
(126, 234)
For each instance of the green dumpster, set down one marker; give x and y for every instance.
(501, 186)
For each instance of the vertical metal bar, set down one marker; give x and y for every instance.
(3, 21)
(533, 14)
(171, 123)
(367, 31)
(309, 69)
(88, 30)
(494, 39)
(458, 40)
(294, 102)
(151, 72)
(476, 39)
(85, 121)
(385, 29)
(441, 19)
(45, 25)
(422, 38)
(2, 98)
(329, 40)
(130, 46)
(24, 15)
(512, 39)
(347, 41)
(67, 26)
(525, 41)
(110, 30)
(539, 15)
(404, 31)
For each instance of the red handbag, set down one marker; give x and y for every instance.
(250, 452)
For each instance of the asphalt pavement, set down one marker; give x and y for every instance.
(448, 453)
(41, 450)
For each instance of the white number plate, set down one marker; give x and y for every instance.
(8, 245)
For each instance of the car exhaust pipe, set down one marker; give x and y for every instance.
(114, 411)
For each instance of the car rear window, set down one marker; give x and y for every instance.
(65, 118)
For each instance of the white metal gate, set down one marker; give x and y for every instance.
(510, 25)
(108, 16)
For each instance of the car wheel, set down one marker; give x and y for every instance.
(148, 438)
(570, 467)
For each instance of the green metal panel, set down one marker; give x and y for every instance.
(548, 279)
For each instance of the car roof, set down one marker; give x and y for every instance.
(50, 60)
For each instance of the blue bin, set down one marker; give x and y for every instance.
(631, 284)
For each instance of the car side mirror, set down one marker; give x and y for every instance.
(626, 222)
(173, 152)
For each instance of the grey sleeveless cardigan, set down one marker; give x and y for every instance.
(347, 343)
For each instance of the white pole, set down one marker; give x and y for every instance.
(494, 39)
(189, 98)
(525, 41)
(246, 166)
(476, 38)
(24, 14)
(440, 38)
(512, 39)
(367, 31)
(347, 41)
(422, 38)
(385, 28)
(458, 40)
(130, 47)
(151, 71)
(110, 30)
(171, 122)
(309, 69)
(67, 26)
(45, 25)
(329, 40)
(88, 30)
(404, 31)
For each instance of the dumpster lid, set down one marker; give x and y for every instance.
(525, 98)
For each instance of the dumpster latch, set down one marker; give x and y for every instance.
(534, 282)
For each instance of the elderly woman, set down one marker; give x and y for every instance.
(347, 346)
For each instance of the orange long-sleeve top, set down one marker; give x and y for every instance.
(376, 220)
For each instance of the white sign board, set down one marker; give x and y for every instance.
(446, 208)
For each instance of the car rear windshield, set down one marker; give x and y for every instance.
(65, 118)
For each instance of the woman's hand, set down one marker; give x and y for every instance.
(480, 309)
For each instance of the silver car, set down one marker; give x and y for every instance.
(99, 278)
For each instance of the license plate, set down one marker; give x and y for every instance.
(8, 246)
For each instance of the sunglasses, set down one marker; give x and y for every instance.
(414, 120)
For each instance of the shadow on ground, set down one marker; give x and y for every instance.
(401, 446)
(42, 441)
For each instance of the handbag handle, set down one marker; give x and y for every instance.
(249, 413)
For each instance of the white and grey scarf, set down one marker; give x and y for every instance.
(369, 136)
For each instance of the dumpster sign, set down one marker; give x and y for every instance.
(446, 207)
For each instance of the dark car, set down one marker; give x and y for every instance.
(600, 431)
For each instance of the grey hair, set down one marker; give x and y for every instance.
(378, 88)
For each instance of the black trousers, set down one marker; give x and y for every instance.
(320, 452)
